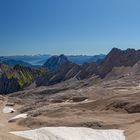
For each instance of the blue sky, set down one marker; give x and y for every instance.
(68, 26)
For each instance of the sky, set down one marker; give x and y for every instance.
(68, 26)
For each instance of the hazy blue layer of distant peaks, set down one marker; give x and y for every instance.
(41, 59)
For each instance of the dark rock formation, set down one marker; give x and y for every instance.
(117, 58)
(55, 61)
(8, 85)
(64, 72)
(18, 77)
(87, 70)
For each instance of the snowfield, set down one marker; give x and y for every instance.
(71, 133)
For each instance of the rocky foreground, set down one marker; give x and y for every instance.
(109, 104)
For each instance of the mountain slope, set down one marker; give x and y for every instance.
(117, 58)
(16, 78)
(64, 72)
(67, 71)
(55, 61)
(8, 85)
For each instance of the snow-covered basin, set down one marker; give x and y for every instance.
(8, 109)
(71, 133)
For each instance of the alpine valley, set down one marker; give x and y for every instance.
(98, 92)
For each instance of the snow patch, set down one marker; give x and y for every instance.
(7, 109)
(70, 133)
(24, 116)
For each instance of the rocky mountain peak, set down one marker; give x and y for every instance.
(117, 58)
(55, 61)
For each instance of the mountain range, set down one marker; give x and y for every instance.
(57, 69)
(17, 74)
(41, 59)
(68, 70)
(12, 62)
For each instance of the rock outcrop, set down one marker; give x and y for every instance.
(8, 85)
(118, 58)
(15, 78)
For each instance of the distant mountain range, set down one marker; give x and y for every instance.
(41, 59)
(81, 59)
(12, 62)
(31, 59)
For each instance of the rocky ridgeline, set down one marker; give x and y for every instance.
(65, 69)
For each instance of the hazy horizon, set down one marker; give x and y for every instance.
(51, 55)
(67, 54)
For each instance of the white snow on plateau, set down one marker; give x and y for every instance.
(18, 117)
(71, 133)
(8, 110)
